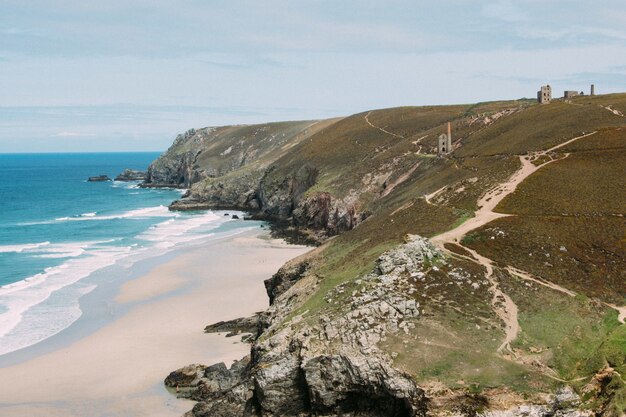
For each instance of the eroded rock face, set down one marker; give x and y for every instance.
(176, 168)
(284, 279)
(131, 175)
(280, 194)
(237, 192)
(321, 211)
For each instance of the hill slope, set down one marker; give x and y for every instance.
(517, 296)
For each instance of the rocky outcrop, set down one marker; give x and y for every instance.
(132, 175)
(331, 366)
(234, 327)
(237, 192)
(214, 152)
(284, 279)
(240, 167)
(277, 196)
(219, 390)
(280, 194)
(288, 196)
(176, 167)
(330, 363)
(99, 178)
(564, 404)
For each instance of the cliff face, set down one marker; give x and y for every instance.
(216, 151)
(511, 315)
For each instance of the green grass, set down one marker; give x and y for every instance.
(464, 216)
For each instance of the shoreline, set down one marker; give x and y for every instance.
(98, 307)
(118, 368)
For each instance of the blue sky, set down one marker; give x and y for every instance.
(79, 75)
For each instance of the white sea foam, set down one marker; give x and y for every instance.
(44, 304)
(22, 248)
(142, 213)
(159, 211)
(23, 295)
(173, 232)
(46, 319)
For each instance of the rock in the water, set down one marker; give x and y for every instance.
(131, 175)
(235, 217)
(99, 178)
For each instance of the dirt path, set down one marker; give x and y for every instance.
(428, 197)
(614, 111)
(488, 202)
(526, 276)
(380, 128)
(621, 311)
(502, 304)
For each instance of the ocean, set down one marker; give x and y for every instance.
(57, 229)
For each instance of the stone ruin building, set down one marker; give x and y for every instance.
(544, 96)
(445, 143)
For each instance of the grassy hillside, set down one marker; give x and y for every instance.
(567, 227)
(558, 256)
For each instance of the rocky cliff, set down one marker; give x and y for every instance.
(517, 310)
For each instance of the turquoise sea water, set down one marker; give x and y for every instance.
(56, 229)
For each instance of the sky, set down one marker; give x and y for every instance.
(128, 75)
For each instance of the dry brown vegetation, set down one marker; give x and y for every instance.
(565, 225)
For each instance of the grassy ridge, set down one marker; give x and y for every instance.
(564, 228)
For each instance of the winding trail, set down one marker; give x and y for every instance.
(621, 311)
(380, 128)
(501, 303)
(428, 197)
(614, 111)
(526, 276)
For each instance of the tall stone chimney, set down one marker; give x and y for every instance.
(593, 90)
(444, 143)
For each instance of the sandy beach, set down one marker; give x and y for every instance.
(118, 370)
